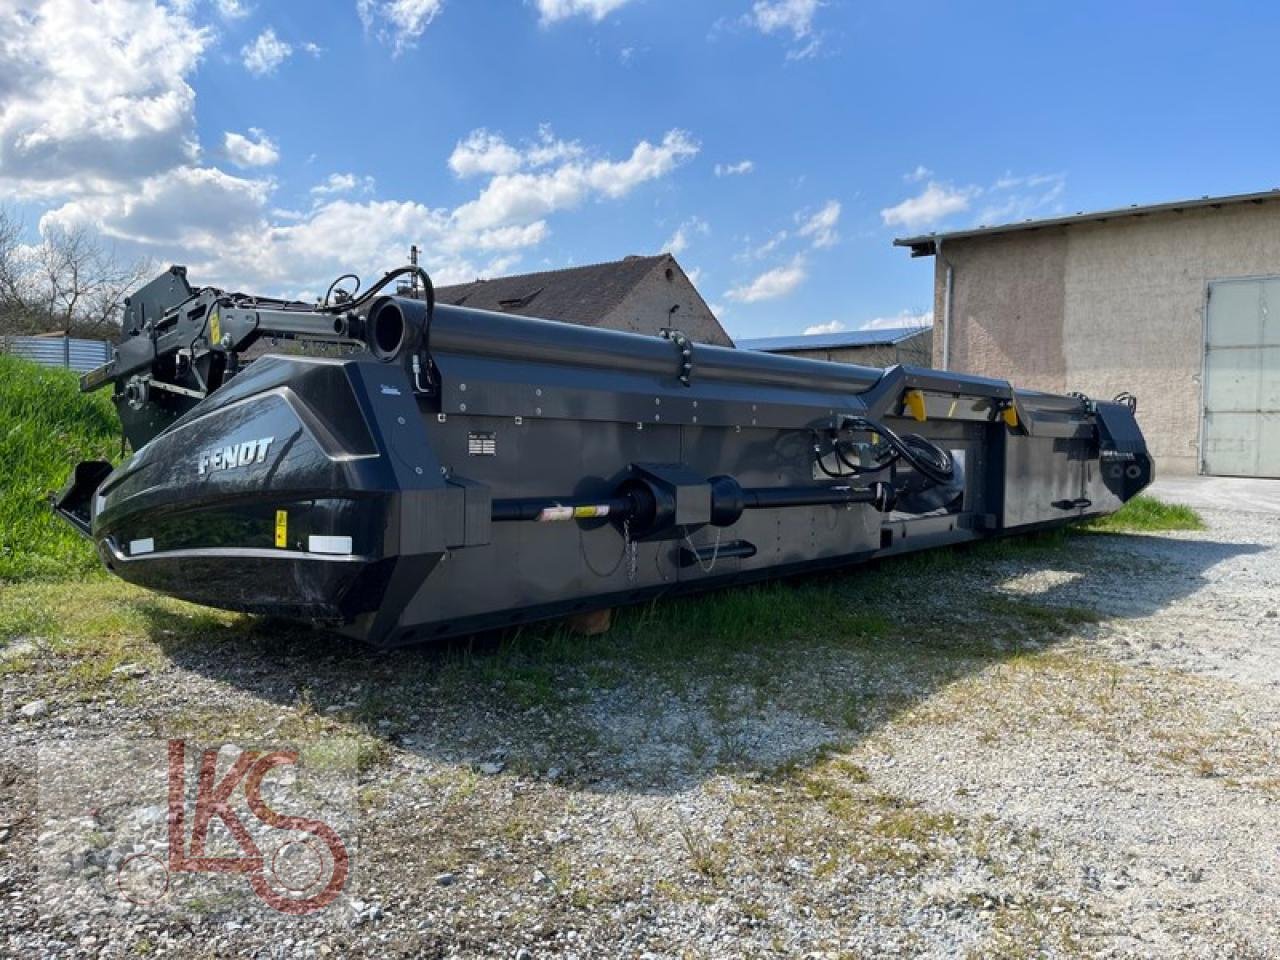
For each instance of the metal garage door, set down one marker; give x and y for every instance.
(1241, 435)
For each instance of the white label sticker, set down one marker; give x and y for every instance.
(328, 544)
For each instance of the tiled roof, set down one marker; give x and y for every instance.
(581, 295)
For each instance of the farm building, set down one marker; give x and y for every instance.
(637, 294)
(1178, 303)
(869, 348)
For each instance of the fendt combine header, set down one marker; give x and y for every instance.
(415, 470)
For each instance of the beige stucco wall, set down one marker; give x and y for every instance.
(644, 310)
(1006, 308)
(1105, 307)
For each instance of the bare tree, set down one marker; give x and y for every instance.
(66, 281)
(10, 269)
(918, 350)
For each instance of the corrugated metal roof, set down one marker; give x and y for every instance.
(833, 341)
(925, 245)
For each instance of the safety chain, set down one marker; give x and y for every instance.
(627, 555)
(629, 546)
(697, 557)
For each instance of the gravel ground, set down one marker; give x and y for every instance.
(1059, 750)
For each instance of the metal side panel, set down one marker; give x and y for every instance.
(529, 564)
(1041, 476)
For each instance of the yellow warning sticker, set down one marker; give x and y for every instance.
(282, 528)
(215, 328)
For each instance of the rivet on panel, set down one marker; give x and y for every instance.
(400, 420)
(537, 411)
(462, 407)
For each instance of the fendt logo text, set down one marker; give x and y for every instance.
(236, 455)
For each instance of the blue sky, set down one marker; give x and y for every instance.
(776, 146)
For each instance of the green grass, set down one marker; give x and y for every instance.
(46, 427)
(1144, 513)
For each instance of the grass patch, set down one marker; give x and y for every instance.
(830, 812)
(46, 426)
(1147, 514)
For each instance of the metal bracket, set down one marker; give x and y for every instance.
(685, 346)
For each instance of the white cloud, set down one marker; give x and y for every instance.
(98, 120)
(231, 9)
(935, 203)
(921, 172)
(818, 228)
(766, 248)
(771, 284)
(734, 169)
(229, 235)
(254, 150)
(821, 226)
(484, 152)
(265, 54)
(401, 23)
(549, 149)
(796, 16)
(550, 11)
(834, 326)
(94, 92)
(1009, 198)
(1021, 197)
(524, 196)
(904, 319)
(312, 49)
(230, 232)
(339, 183)
(789, 16)
(212, 204)
(679, 241)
